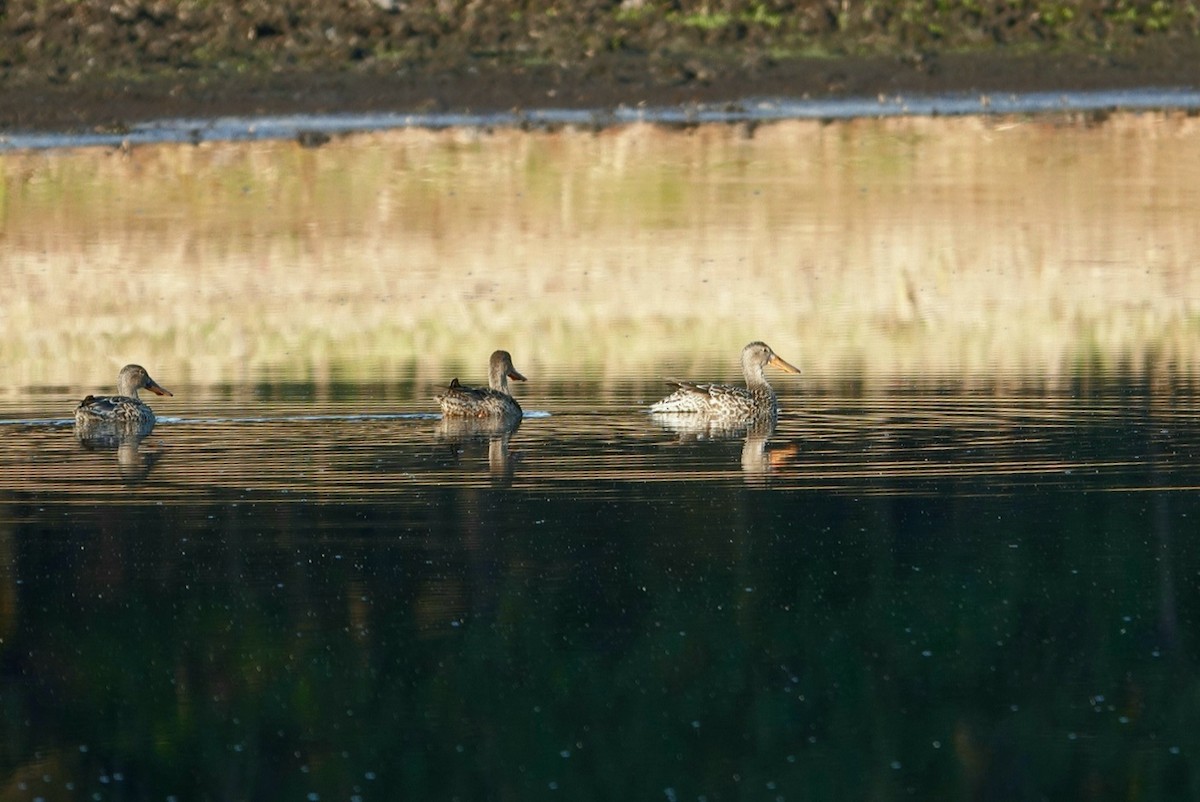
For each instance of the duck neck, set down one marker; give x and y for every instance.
(755, 379)
(498, 380)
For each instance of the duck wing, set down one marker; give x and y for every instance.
(701, 397)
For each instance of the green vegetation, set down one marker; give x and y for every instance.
(101, 38)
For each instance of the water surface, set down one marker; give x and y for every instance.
(959, 567)
(896, 248)
(934, 592)
(315, 129)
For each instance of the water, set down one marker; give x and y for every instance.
(892, 249)
(960, 566)
(932, 590)
(316, 129)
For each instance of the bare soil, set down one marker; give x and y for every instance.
(106, 64)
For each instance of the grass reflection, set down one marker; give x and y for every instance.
(880, 248)
(809, 645)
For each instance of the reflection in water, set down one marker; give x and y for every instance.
(696, 411)
(967, 247)
(757, 460)
(134, 463)
(329, 608)
(973, 581)
(465, 433)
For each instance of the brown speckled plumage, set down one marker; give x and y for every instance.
(124, 413)
(755, 400)
(493, 401)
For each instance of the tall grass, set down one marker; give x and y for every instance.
(883, 248)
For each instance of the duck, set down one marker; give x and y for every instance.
(494, 401)
(121, 413)
(755, 401)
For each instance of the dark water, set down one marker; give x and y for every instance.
(316, 129)
(921, 592)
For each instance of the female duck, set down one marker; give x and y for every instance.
(755, 401)
(493, 401)
(123, 413)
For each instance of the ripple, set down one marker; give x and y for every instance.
(906, 445)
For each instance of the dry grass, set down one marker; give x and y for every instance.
(911, 247)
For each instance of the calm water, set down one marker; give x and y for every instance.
(301, 592)
(962, 565)
(751, 110)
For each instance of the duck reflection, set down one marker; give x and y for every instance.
(757, 459)
(134, 463)
(468, 434)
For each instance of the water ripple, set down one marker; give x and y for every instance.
(910, 445)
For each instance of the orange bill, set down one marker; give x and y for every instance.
(782, 365)
(155, 388)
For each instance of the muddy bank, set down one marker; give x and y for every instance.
(91, 65)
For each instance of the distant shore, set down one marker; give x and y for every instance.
(89, 66)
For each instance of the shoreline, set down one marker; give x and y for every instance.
(106, 105)
(315, 130)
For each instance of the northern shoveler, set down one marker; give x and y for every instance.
(493, 401)
(124, 413)
(755, 400)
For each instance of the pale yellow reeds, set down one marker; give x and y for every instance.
(971, 247)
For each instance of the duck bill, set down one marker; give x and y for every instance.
(512, 374)
(156, 388)
(786, 367)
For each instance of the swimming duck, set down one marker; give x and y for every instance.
(493, 401)
(755, 400)
(124, 413)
